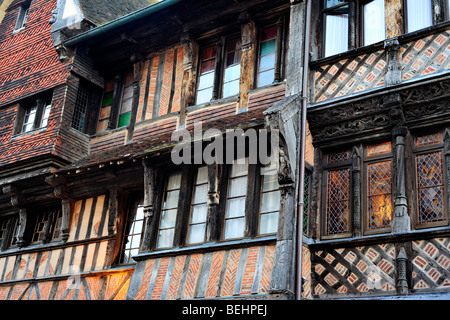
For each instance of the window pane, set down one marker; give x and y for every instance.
(196, 233)
(269, 33)
(430, 184)
(174, 181)
(46, 115)
(270, 182)
(204, 96)
(235, 208)
(268, 223)
(206, 81)
(336, 34)
(338, 202)
(374, 22)
(202, 175)
(380, 208)
(237, 187)
(199, 213)
(231, 88)
(332, 3)
(124, 119)
(239, 168)
(165, 238)
(267, 62)
(268, 47)
(168, 218)
(270, 201)
(266, 78)
(200, 193)
(232, 73)
(234, 228)
(419, 14)
(30, 117)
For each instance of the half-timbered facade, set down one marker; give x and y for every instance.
(379, 219)
(103, 212)
(117, 179)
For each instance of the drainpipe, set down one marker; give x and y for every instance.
(302, 147)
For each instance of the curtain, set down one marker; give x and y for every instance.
(374, 22)
(336, 34)
(418, 14)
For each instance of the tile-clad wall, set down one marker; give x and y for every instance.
(28, 60)
(223, 273)
(354, 74)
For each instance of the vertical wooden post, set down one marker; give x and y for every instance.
(65, 221)
(401, 219)
(248, 60)
(439, 11)
(189, 75)
(213, 201)
(356, 174)
(137, 73)
(394, 18)
(149, 196)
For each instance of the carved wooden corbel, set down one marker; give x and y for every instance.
(18, 201)
(61, 191)
(402, 281)
(394, 73)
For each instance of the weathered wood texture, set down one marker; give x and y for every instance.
(225, 273)
(104, 286)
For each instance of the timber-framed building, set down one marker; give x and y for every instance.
(93, 207)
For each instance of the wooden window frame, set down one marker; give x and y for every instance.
(219, 68)
(368, 160)
(421, 150)
(133, 203)
(280, 49)
(50, 225)
(327, 167)
(41, 103)
(214, 225)
(355, 23)
(22, 16)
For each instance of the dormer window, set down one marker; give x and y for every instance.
(22, 17)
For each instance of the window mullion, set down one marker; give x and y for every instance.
(219, 66)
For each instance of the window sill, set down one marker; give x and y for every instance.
(28, 133)
(214, 103)
(205, 247)
(379, 238)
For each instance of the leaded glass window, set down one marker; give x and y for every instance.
(378, 175)
(338, 205)
(430, 177)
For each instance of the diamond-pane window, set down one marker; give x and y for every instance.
(379, 149)
(379, 177)
(338, 157)
(338, 202)
(429, 139)
(430, 185)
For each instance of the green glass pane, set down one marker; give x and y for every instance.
(268, 47)
(107, 99)
(124, 119)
